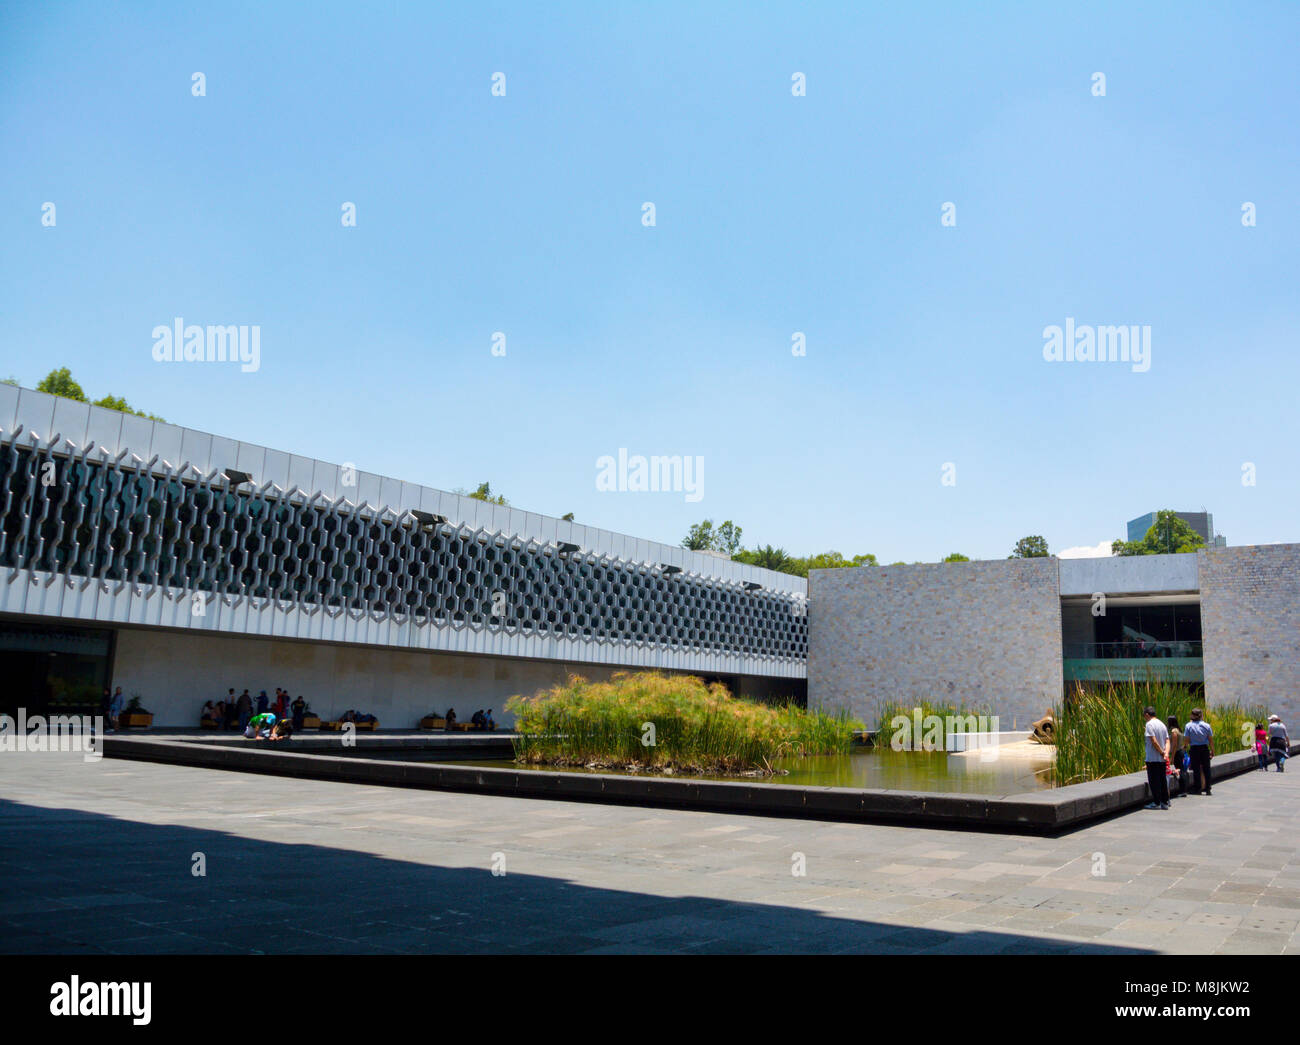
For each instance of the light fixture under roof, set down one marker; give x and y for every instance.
(568, 547)
(752, 586)
(428, 520)
(670, 569)
(235, 477)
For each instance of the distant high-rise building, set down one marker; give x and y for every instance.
(1200, 522)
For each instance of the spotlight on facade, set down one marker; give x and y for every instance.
(751, 586)
(234, 477)
(428, 520)
(669, 570)
(566, 548)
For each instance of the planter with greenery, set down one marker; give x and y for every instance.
(133, 715)
(669, 724)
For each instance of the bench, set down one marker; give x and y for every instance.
(337, 726)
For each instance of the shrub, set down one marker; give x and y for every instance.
(696, 727)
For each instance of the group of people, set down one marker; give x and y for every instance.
(479, 720)
(236, 712)
(1171, 751)
(267, 726)
(1272, 744)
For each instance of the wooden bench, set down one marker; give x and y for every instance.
(337, 726)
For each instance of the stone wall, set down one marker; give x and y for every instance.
(978, 633)
(1250, 619)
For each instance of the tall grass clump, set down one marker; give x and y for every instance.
(697, 728)
(955, 717)
(1100, 728)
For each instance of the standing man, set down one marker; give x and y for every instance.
(115, 708)
(1201, 737)
(1157, 741)
(1279, 742)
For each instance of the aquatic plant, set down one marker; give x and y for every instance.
(955, 718)
(678, 723)
(1100, 727)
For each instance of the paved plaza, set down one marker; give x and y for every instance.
(99, 858)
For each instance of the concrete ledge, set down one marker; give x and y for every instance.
(1038, 812)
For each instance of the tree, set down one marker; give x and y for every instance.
(833, 560)
(1168, 535)
(956, 557)
(567, 517)
(728, 538)
(120, 404)
(59, 383)
(703, 537)
(777, 559)
(484, 493)
(767, 557)
(699, 537)
(1030, 548)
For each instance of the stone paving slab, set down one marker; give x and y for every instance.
(97, 858)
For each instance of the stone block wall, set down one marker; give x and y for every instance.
(978, 633)
(1250, 620)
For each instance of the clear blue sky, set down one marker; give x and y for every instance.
(775, 214)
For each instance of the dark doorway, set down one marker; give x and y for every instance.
(52, 670)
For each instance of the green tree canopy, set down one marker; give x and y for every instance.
(484, 493)
(60, 383)
(704, 536)
(780, 560)
(767, 557)
(1030, 548)
(956, 557)
(1168, 535)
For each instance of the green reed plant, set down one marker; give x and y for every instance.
(1100, 727)
(955, 716)
(697, 727)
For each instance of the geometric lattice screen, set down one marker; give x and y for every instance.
(92, 517)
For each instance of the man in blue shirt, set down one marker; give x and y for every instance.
(1200, 736)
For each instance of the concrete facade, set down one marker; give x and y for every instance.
(1130, 575)
(1250, 615)
(175, 672)
(983, 634)
(199, 552)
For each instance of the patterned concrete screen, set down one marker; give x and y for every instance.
(92, 517)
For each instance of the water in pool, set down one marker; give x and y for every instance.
(895, 771)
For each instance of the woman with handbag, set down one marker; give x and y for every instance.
(1179, 758)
